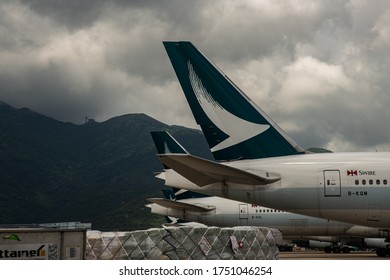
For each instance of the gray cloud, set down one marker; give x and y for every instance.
(318, 68)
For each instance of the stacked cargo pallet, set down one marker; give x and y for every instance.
(185, 243)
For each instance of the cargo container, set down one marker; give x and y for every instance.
(59, 241)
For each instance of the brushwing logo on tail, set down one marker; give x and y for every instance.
(238, 129)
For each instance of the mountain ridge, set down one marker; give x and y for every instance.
(98, 172)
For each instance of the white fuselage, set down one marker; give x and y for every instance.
(348, 187)
(230, 213)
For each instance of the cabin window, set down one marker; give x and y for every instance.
(371, 182)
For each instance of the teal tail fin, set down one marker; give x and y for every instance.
(166, 144)
(234, 127)
(178, 194)
(169, 194)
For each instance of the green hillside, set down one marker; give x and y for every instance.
(102, 173)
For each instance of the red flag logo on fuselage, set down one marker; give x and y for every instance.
(352, 173)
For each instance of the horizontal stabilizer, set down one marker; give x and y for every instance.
(182, 206)
(203, 172)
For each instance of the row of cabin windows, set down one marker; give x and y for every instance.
(370, 182)
(268, 211)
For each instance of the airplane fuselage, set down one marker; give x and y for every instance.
(230, 213)
(348, 187)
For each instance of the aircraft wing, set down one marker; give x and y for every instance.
(203, 172)
(182, 206)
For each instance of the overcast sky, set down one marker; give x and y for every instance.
(320, 69)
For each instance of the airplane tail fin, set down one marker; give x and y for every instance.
(166, 144)
(179, 194)
(234, 127)
(173, 195)
(169, 194)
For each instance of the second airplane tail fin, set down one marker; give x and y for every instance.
(178, 194)
(234, 127)
(166, 144)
